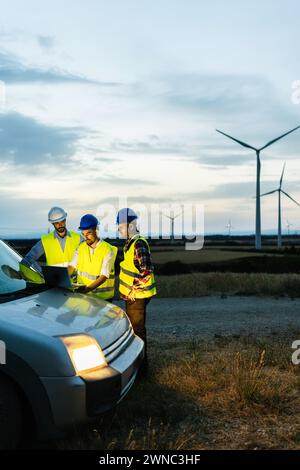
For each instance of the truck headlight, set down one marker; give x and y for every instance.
(85, 352)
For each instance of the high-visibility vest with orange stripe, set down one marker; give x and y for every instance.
(55, 256)
(89, 268)
(129, 272)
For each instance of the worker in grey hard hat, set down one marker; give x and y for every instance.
(58, 246)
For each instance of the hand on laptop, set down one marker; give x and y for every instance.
(83, 289)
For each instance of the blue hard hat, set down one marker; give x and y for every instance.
(125, 216)
(88, 221)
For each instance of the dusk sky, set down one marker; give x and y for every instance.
(122, 98)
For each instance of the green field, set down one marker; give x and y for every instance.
(201, 256)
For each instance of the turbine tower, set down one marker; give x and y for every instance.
(258, 165)
(279, 190)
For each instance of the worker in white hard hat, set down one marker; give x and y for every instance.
(58, 246)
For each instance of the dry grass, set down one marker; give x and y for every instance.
(199, 284)
(223, 394)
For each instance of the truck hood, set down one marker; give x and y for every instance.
(58, 312)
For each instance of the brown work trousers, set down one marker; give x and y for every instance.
(136, 311)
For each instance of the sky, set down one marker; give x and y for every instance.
(121, 99)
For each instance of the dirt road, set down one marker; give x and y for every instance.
(207, 316)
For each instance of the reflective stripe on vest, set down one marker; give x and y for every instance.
(128, 272)
(145, 288)
(91, 276)
(89, 268)
(53, 251)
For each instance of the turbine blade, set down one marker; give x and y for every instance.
(290, 197)
(278, 138)
(280, 183)
(166, 215)
(238, 141)
(270, 192)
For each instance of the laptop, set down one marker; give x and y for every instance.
(57, 276)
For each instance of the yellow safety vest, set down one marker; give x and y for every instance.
(128, 272)
(54, 254)
(89, 268)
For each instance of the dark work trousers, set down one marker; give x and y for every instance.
(136, 311)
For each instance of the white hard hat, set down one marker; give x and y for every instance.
(56, 214)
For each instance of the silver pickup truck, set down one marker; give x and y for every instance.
(65, 358)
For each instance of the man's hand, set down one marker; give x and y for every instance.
(71, 270)
(83, 289)
(131, 295)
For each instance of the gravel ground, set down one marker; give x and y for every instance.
(213, 315)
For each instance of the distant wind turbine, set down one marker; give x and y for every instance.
(279, 190)
(258, 165)
(229, 226)
(172, 223)
(288, 224)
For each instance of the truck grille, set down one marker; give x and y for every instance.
(116, 348)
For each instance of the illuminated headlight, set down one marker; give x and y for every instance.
(85, 353)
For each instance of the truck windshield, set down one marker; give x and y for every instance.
(15, 282)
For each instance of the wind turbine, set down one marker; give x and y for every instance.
(172, 223)
(288, 224)
(258, 165)
(229, 226)
(279, 190)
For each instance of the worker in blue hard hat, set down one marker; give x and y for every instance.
(137, 283)
(94, 261)
(58, 246)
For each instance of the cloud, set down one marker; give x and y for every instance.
(115, 179)
(250, 104)
(246, 106)
(224, 160)
(214, 155)
(28, 216)
(232, 190)
(209, 156)
(25, 141)
(207, 93)
(237, 190)
(45, 42)
(151, 145)
(13, 71)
